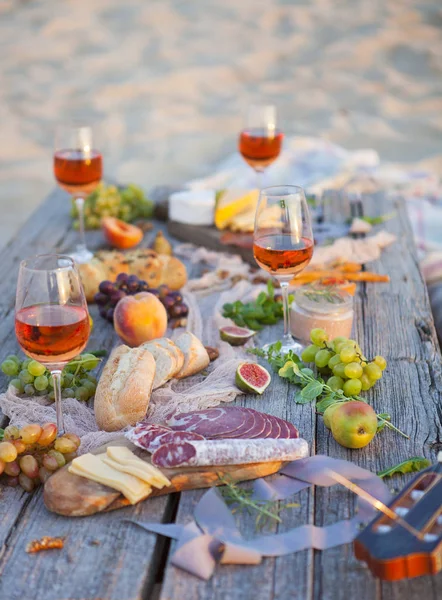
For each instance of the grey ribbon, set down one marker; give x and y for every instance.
(213, 537)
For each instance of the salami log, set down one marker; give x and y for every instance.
(228, 452)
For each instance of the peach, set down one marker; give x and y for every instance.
(120, 234)
(140, 318)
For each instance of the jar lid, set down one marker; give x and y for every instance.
(323, 299)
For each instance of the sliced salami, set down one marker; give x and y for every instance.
(211, 422)
(178, 436)
(228, 452)
(144, 435)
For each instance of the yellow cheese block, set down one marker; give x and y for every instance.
(231, 203)
(92, 467)
(124, 456)
(136, 470)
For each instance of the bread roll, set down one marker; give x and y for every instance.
(124, 389)
(155, 269)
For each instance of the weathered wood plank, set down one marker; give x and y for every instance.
(389, 321)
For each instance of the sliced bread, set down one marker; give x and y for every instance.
(177, 353)
(195, 355)
(165, 363)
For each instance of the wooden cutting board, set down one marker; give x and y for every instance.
(73, 496)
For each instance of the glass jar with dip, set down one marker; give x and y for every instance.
(320, 306)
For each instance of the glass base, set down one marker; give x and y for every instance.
(288, 343)
(81, 255)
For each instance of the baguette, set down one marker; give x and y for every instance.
(155, 269)
(196, 357)
(124, 389)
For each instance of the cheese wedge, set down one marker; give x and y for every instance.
(234, 202)
(125, 457)
(92, 467)
(134, 470)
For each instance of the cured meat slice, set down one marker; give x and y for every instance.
(244, 431)
(288, 430)
(260, 424)
(144, 435)
(228, 452)
(188, 421)
(211, 422)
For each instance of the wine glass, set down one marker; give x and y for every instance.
(78, 169)
(283, 242)
(260, 141)
(51, 315)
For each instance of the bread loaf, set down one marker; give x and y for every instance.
(155, 269)
(195, 355)
(124, 389)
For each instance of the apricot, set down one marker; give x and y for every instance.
(120, 234)
(140, 318)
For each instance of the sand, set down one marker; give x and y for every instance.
(166, 82)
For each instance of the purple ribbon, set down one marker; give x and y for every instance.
(213, 537)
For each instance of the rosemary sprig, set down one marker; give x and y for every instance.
(330, 295)
(240, 500)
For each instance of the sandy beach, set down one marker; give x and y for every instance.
(166, 82)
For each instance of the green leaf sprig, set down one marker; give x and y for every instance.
(410, 465)
(313, 387)
(241, 500)
(2, 434)
(265, 310)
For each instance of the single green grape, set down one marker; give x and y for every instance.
(340, 339)
(347, 354)
(68, 378)
(318, 336)
(366, 382)
(380, 362)
(89, 362)
(41, 383)
(82, 394)
(336, 383)
(14, 358)
(67, 393)
(308, 355)
(25, 377)
(91, 387)
(339, 370)
(322, 357)
(92, 378)
(29, 389)
(17, 383)
(352, 387)
(335, 360)
(25, 363)
(10, 367)
(353, 370)
(373, 371)
(51, 395)
(36, 369)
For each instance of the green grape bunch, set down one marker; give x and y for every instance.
(342, 361)
(127, 204)
(30, 454)
(31, 378)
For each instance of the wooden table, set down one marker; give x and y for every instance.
(107, 558)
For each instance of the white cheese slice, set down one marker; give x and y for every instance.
(92, 467)
(134, 470)
(123, 456)
(194, 207)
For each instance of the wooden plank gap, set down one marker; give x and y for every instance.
(155, 574)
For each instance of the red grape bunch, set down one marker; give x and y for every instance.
(110, 294)
(29, 456)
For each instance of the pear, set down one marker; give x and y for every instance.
(353, 424)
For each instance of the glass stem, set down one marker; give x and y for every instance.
(259, 178)
(79, 203)
(285, 305)
(56, 375)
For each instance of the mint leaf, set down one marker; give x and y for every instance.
(312, 390)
